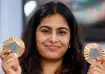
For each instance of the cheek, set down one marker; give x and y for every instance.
(66, 41)
(40, 40)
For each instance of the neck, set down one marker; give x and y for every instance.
(50, 67)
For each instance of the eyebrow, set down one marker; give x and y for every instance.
(57, 28)
(63, 28)
(44, 27)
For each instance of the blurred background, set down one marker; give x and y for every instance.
(90, 16)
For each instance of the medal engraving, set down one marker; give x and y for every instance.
(92, 51)
(16, 45)
(13, 47)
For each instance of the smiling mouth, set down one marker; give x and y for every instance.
(52, 48)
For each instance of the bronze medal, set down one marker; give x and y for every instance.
(15, 44)
(92, 51)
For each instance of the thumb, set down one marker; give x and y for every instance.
(10, 71)
(3, 52)
(101, 58)
(93, 62)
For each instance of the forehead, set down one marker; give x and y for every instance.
(55, 20)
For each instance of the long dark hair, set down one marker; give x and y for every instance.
(73, 62)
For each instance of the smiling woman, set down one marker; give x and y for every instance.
(53, 45)
(52, 42)
(52, 38)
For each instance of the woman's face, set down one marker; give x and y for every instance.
(53, 37)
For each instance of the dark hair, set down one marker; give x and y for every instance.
(73, 62)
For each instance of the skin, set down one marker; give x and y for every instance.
(52, 43)
(10, 63)
(98, 67)
(52, 39)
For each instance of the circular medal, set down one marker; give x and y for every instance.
(92, 51)
(15, 44)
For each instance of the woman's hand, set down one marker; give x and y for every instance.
(98, 67)
(10, 63)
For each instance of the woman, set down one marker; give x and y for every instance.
(52, 44)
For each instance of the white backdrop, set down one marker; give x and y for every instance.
(11, 20)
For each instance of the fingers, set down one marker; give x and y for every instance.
(10, 62)
(11, 55)
(93, 62)
(101, 58)
(100, 66)
(97, 69)
(4, 53)
(103, 64)
(94, 70)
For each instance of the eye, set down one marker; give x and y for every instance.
(62, 33)
(45, 31)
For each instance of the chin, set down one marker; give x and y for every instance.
(52, 57)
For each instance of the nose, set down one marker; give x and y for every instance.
(53, 38)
